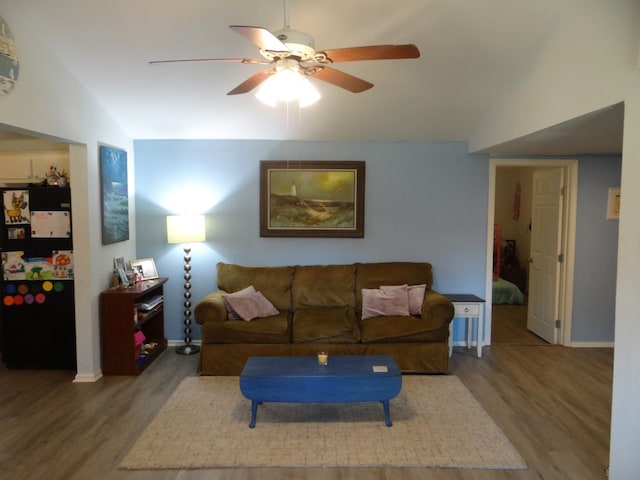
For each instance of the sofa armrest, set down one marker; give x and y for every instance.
(211, 308)
(437, 309)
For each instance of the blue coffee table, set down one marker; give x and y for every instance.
(346, 378)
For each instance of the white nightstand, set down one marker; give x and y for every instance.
(469, 307)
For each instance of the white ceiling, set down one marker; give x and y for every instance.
(468, 50)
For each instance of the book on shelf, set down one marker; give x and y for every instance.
(150, 304)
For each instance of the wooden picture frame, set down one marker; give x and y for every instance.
(114, 185)
(146, 267)
(312, 198)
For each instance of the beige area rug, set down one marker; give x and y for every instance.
(436, 423)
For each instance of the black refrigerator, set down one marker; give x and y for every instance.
(37, 314)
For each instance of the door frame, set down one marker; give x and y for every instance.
(568, 234)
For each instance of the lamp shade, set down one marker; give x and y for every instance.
(185, 228)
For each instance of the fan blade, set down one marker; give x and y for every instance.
(234, 60)
(252, 82)
(341, 79)
(261, 37)
(373, 52)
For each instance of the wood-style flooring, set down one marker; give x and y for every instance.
(552, 402)
(509, 326)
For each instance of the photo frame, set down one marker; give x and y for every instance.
(120, 268)
(312, 198)
(122, 275)
(115, 194)
(146, 267)
(613, 204)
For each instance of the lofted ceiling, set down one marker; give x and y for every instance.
(469, 48)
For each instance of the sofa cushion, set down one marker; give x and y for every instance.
(251, 305)
(273, 329)
(401, 329)
(273, 282)
(374, 275)
(323, 286)
(391, 300)
(325, 325)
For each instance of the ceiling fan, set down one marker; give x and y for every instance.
(288, 49)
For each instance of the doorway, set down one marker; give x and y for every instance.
(509, 228)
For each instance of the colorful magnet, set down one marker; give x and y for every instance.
(29, 299)
(47, 286)
(40, 297)
(18, 300)
(8, 300)
(22, 289)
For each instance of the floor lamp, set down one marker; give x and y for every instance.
(185, 230)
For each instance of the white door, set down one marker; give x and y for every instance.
(544, 270)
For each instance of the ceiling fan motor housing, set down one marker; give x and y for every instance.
(301, 44)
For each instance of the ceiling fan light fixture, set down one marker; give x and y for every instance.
(287, 85)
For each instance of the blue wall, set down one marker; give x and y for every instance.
(596, 251)
(425, 201)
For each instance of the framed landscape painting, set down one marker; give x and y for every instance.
(312, 199)
(115, 194)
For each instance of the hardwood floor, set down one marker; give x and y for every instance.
(509, 326)
(553, 403)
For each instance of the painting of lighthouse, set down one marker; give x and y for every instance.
(312, 199)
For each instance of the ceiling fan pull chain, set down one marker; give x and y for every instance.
(286, 14)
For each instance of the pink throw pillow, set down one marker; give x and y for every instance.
(252, 305)
(231, 313)
(390, 301)
(416, 296)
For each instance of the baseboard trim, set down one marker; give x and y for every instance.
(463, 343)
(592, 344)
(456, 343)
(177, 343)
(88, 377)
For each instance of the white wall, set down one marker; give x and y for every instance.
(625, 434)
(586, 63)
(590, 61)
(48, 100)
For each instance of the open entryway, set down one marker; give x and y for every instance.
(531, 220)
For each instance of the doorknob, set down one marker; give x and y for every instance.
(530, 260)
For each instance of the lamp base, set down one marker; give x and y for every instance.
(187, 349)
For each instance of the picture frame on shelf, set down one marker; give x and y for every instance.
(312, 198)
(122, 275)
(146, 267)
(120, 269)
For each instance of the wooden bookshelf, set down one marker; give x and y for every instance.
(120, 356)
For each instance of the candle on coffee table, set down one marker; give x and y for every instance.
(323, 358)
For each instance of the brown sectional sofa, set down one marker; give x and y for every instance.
(319, 308)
